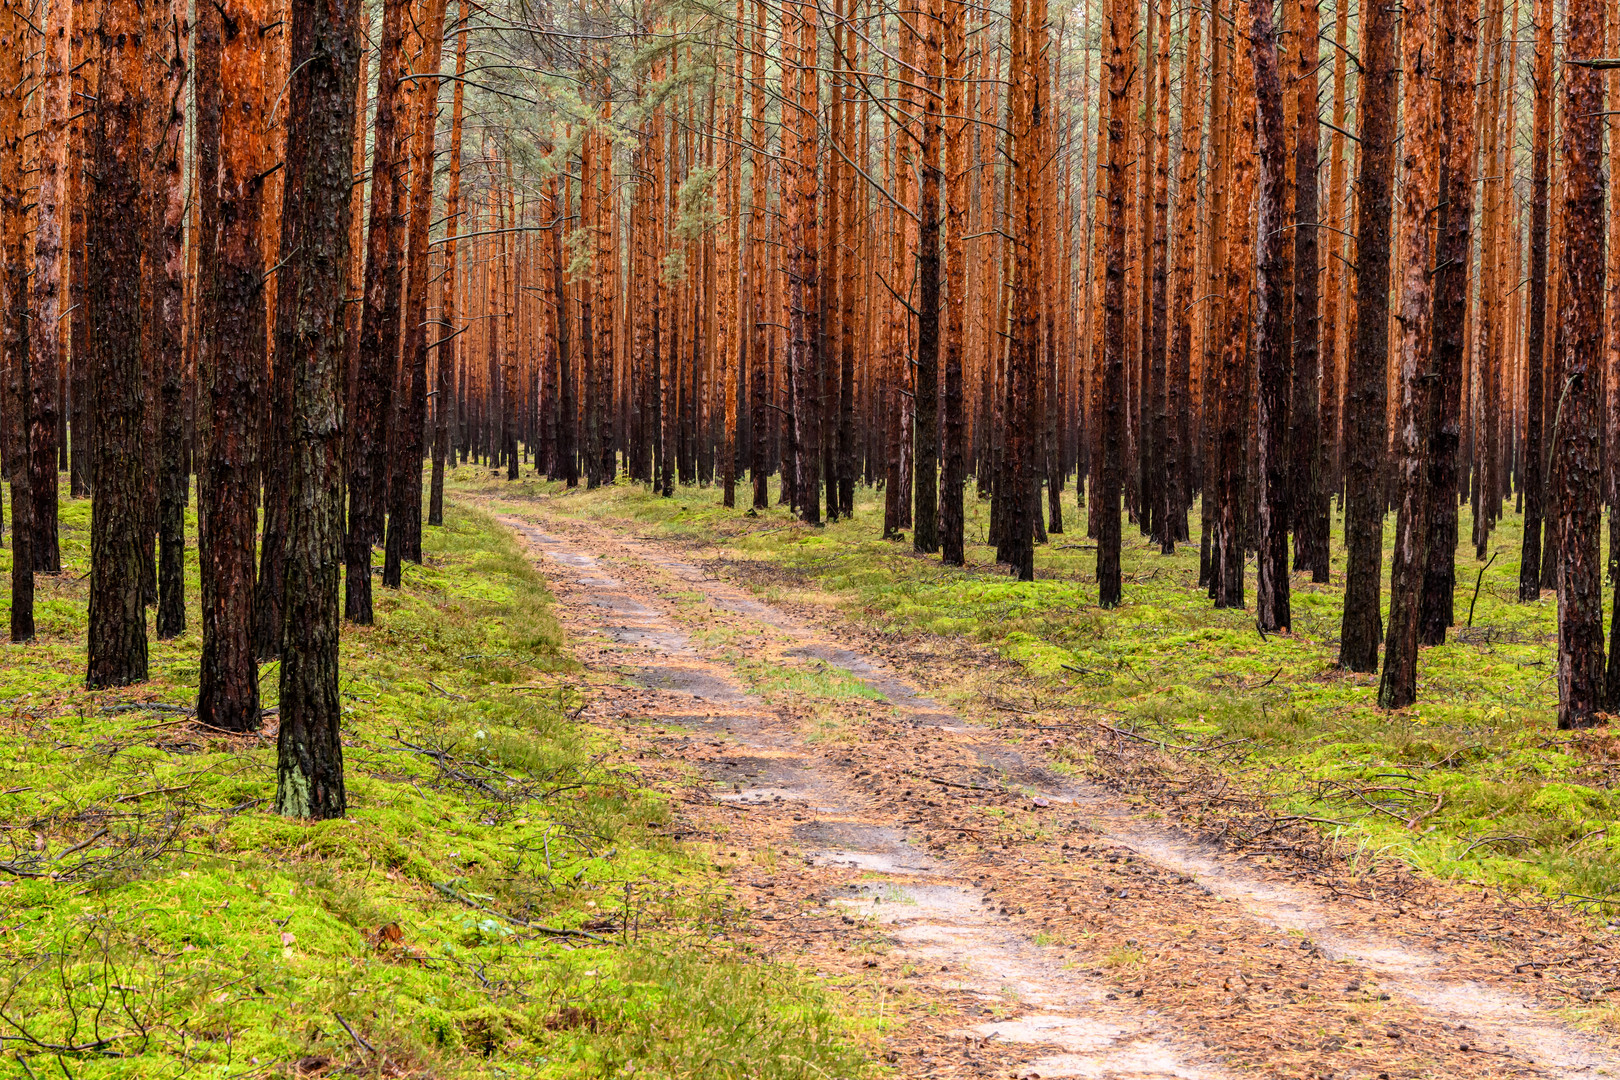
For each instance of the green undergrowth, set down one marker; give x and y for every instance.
(499, 901)
(1474, 783)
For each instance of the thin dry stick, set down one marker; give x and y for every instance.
(1477, 582)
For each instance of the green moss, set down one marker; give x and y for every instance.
(184, 926)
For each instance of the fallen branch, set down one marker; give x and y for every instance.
(1161, 744)
(1491, 840)
(1477, 582)
(357, 1039)
(446, 693)
(148, 706)
(550, 931)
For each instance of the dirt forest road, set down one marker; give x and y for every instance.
(1017, 923)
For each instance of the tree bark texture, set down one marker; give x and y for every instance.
(326, 42)
(228, 489)
(1365, 405)
(117, 646)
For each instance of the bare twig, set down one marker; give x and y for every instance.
(551, 931)
(359, 1041)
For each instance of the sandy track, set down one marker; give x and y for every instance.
(1021, 923)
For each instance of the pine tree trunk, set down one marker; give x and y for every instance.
(1452, 257)
(448, 334)
(1535, 452)
(1577, 439)
(925, 430)
(1333, 305)
(228, 690)
(1107, 493)
(804, 293)
(1237, 356)
(956, 180)
(567, 406)
(1308, 505)
(117, 644)
(46, 353)
(730, 328)
(1177, 447)
(14, 330)
(1214, 278)
(168, 324)
(83, 133)
(1365, 405)
(853, 143)
(1415, 433)
(326, 37)
(1156, 484)
(760, 265)
(1271, 331)
(367, 463)
(404, 539)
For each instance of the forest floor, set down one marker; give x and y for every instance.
(503, 899)
(1067, 842)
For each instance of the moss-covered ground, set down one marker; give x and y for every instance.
(1473, 784)
(498, 903)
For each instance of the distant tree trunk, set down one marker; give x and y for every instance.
(1156, 485)
(1535, 453)
(357, 251)
(1237, 358)
(117, 643)
(168, 350)
(1107, 491)
(1414, 345)
(1214, 290)
(1309, 503)
(228, 689)
(1577, 440)
(367, 463)
(729, 332)
(1271, 331)
(805, 291)
(1028, 108)
(925, 429)
(956, 180)
(586, 280)
(1332, 382)
(448, 333)
(606, 296)
(326, 38)
(1458, 61)
(1178, 449)
(83, 134)
(46, 352)
(14, 359)
(567, 439)
(404, 539)
(854, 144)
(278, 239)
(760, 262)
(1611, 338)
(1365, 407)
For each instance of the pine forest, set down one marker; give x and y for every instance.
(770, 539)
